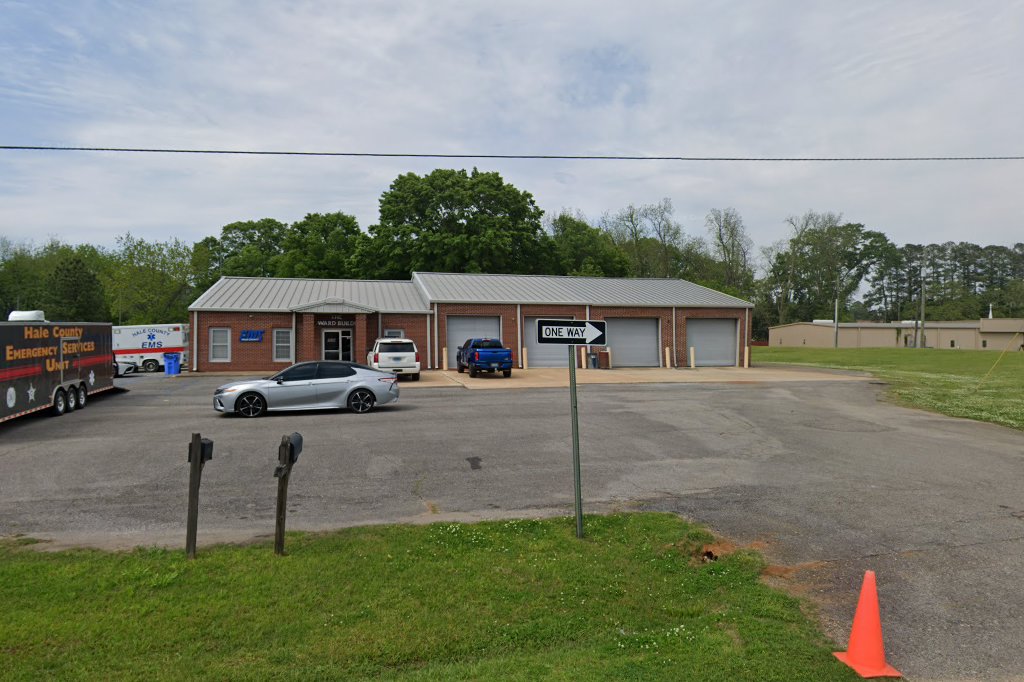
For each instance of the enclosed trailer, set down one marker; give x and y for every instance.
(53, 365)
(145, 344)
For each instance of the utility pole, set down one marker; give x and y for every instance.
(922, 345)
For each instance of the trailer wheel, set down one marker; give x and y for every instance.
(151, 365)
(82, 396)
(60, 402)
(72, 399)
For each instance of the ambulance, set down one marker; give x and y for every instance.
(145, 344)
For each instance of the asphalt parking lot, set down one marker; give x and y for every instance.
(819, 475)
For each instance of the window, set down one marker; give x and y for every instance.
(397, 347)
(303, 372)
(220, 344)
(334, 370)
(952, 344)
(984, 343)
(394, 333)
(282, 345)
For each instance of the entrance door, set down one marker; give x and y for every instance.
(337, 344)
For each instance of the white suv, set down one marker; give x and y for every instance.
(395, 355)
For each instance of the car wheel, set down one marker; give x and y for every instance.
(82, 396)
(60, 402)
(415, 377)
(151, 365)
(361, 401)
(506, 372)
(472, 370)
(250, 405)
(460, 367)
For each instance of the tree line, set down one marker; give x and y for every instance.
(459, 221)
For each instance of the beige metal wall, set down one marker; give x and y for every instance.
(1002, 341)
(940, 337)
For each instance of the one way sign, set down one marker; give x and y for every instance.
(572, 332)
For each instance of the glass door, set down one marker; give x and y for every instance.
(338, 345)
(332, 345)
(346, 344)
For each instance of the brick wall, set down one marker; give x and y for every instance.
(244, 356)
(416, 328)
(507, 313)
(682, 354)
(259, 356)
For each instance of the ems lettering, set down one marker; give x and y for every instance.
(37, 333)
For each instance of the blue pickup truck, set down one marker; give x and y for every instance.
(484, 355)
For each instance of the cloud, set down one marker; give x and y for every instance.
(691, 79)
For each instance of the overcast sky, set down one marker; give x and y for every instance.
(785, 78)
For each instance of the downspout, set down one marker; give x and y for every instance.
(428, 342)
(746, 338)
(519, 333)
(295, 339)
(675, 361)
(436, 341)
(195, 341)
(380, 321)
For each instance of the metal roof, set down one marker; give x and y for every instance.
(347, 295)
(275, 294)
(550, 289)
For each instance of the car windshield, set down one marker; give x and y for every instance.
(393, 347)
(489, 343)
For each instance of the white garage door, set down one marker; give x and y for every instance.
(462, 327)
(713, 341)
(543, 354)
(634, 341)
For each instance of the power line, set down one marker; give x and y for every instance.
(540, 157)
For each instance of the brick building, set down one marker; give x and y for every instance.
(265, 324)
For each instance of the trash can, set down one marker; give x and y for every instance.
(172, 364)
(592, 359)
(604, 360)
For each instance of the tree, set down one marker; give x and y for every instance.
(74, 292)
(731, 247)
(150, 282)
(454, 221)
(252, 248)
(583, 250)
(649, 236)
(322, 245)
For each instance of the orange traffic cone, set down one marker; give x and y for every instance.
(866, 654)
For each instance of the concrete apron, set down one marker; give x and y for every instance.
(559, 377)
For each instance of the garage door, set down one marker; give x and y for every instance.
(713, 341)
(465, 327)
(543, 354)
(634, 342)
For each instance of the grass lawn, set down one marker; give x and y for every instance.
(952, 382)
(521, 600)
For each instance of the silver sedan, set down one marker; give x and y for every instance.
(309, 386)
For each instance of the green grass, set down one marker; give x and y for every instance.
(952, 382)
(518, 600)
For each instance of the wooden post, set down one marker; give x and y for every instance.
(526, 364)
(668, 357)
(746, 357)
(196, 459)
(283, 473)
(444, 358)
